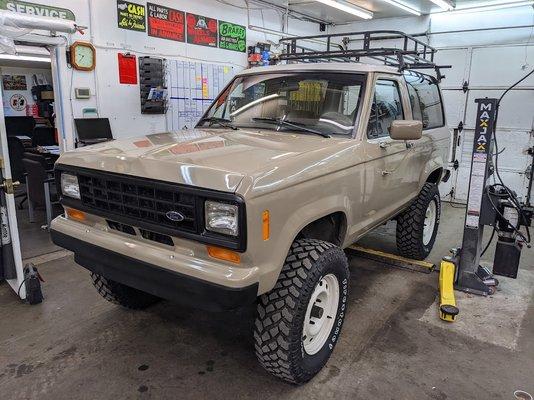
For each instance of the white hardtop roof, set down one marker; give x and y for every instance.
(327, 66)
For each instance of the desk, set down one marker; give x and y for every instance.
(53, 150)
(51, 153)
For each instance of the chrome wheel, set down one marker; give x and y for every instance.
(320, 314)
(431, 215)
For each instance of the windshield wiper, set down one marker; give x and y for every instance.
(294, 125)
(225, 123)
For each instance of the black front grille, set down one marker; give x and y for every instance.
(145, 203)
(117, 226)
(140, 201)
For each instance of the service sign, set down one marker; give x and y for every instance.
(131, 16)
(232, 36)
(166, 23)
(201, 30)
(38, 10)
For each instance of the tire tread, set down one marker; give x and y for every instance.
(410, 222)
(278, 308)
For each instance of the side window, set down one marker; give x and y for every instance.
(386, 108)
(425, 100)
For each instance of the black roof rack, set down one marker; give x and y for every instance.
(403, 51)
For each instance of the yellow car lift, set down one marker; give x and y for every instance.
(447, 275)
(447, 303)
(392, 259)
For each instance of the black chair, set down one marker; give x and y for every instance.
(20, 126)
(43, 136)
(46, 161)
(40, 188)
(18, 172)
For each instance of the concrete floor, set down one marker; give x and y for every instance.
(77, 346)
(34, 240)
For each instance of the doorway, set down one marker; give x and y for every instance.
(28, 103)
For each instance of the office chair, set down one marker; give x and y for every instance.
(20, 126)
(43, 136)
(41, 191)
(16, 154)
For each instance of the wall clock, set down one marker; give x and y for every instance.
(83, 56)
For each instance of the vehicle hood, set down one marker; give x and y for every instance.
(216, 159)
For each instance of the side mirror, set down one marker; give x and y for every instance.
(406, 129)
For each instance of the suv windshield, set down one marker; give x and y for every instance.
(304, 102)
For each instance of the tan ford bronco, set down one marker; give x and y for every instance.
(289, 165)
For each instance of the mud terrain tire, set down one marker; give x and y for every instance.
(123, 295)
(282, 312)
(412, 242)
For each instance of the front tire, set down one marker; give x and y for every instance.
(417, 226)
(307, 304)
(123, 295)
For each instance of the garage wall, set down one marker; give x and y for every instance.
(28, 73)
(120, 102)
(488, 60)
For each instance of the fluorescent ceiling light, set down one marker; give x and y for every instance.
(488, 7)
(443, 4)
(24, 58)
(348, 8)
(403, 6)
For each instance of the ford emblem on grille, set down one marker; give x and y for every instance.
(174, 216)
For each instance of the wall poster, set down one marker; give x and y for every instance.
(201, 30)
(166, 23)
(131, 16)
(14, 82)
(18, 102)
(232, 36)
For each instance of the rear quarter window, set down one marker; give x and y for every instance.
(425, 99)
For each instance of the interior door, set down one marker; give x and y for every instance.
(391, 180)
(11, 259)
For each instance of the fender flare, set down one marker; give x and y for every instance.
(432, 165)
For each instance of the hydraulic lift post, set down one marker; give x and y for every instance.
(471, 277)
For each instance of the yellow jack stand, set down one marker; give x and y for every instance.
(447, 302)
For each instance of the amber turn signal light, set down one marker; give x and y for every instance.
(76, 214)
(224, 254)
(266, 225)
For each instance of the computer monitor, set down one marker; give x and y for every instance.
(91, 129)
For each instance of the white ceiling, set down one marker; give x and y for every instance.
(380, 8)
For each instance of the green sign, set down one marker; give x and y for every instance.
(38, 10)
(232, 36)
(131, 16)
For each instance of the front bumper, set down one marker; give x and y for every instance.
(151, 278)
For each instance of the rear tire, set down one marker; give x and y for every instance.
(123, 295)
(307, 303)
(417, 226)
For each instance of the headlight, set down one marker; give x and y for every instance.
(221, 218)
(70, 186)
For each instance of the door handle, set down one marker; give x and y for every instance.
(409, 145)
(9, 186)
(385, 172)
(384, 145)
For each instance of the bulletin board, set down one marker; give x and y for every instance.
(193, 87)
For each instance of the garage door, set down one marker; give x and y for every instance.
(486, 72)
